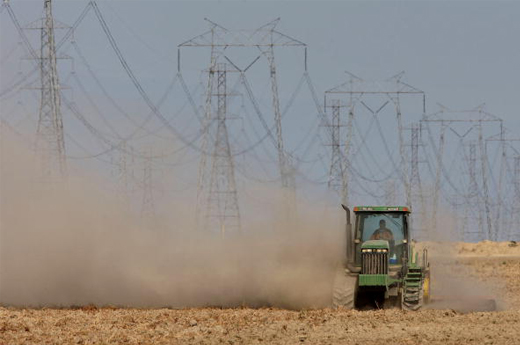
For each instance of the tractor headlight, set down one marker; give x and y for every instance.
(366, 250)
(382, 250)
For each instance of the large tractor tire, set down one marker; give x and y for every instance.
(344, 289)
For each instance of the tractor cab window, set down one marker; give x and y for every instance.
(383, 226)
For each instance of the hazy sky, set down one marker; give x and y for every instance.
(461, 53)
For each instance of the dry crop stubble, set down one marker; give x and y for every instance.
(254, 326)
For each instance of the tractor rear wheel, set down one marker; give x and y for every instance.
(344, 289)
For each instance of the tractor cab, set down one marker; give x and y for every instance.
(374, 225)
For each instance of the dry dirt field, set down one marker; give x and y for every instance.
(495, 264)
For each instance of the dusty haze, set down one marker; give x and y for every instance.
(79, 245)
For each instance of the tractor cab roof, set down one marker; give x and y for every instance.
(382, 209)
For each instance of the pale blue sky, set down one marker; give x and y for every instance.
(461, 53)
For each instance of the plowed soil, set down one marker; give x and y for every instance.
(496, 265)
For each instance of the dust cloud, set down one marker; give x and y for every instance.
(78, 245)
(454, 282)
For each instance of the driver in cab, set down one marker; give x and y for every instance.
(382, 233)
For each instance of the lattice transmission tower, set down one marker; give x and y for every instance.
(415, 186)
(504, 194)
(50, 144)
(148, 203)
(473, 202)
(516, 210)
(415, 177)
(474, 124)
(123, 162)
(338, 179)
(359, 96)
(222, 211)
(263, 42)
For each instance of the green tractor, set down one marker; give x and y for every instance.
(382, 268)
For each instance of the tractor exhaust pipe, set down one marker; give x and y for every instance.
(349, 243)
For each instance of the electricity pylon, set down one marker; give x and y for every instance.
(415, 185)
(337, 174)
(148, 204)
(353, 93)
(471, 124)
(263, 42)
(516, 183)
(50, 144)
(222, 211)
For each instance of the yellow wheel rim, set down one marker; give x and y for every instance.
(426, 288)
